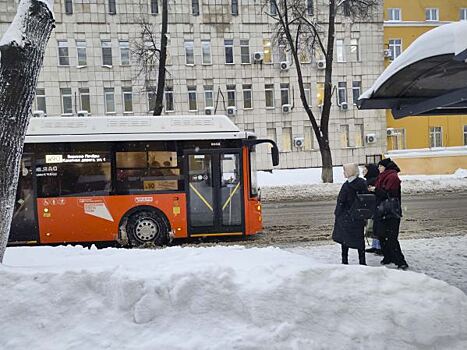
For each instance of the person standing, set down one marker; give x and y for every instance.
(388, 185)
(370, 173)
(348, 231)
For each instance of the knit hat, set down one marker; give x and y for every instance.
(385, 162)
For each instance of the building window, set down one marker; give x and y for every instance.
(271, 134)
(309, 7)
(63, 58)
(247, 96)
(432, 14)
(436, 136)
(308, 138)
(465, 131)
(169, 98)
(354, 50)
(189, 52)
(340, 50)
(286, 139)
(234, 7)
(208, 96)
(124, 53)
(127, 93)
(267, 51)
(269, 95)
(359, 132)
(112, 7)
(40, 100)
(344, 135)
(67, 101)
(320, 94)
(304, 55)
(341, 93)
(229, 54)
(245, 51)
(356, 91)
(395, 46)
(285, 94)
(195, 7)
(151, 98)
(154, 7)
(69, 7)
(192, 104)
(307, 88)
(272, 8)
(106, 46)
(397, 139)
(81, 52)
(109, 100)
(394, 15)
(463, 14)
(206, 50)
(231, 101)
(84, 99)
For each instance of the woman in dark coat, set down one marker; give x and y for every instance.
(370, 173)
(388, 185)
(347, 230)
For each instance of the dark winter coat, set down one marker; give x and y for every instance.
(347, 230)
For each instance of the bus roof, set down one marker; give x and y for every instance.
(133, 128)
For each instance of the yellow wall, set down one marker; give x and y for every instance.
(417, 128)
(431, 165)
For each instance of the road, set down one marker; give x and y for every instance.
(301, 223)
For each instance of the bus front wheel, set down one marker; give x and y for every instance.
(147, 227)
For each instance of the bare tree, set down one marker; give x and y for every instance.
(298, 25)
(149, 54)
(22, 52)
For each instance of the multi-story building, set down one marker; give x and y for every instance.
(222, 59)
(405, 21)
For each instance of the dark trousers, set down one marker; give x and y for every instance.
(390, 246)
(345, 255)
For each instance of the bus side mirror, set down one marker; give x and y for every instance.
(275, 155)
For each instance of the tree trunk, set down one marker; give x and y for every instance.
(162, 60)
(326, 174)
(22, 53)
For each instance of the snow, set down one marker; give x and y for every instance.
(228, 298)
(305, 184)
(446, 39)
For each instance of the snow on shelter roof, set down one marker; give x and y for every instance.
(433, 66)
(132, 128)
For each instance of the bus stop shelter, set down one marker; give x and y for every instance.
(429, 78)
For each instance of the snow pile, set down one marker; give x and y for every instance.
(219, 298)
(305, 184)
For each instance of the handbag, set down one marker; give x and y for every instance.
(390, 208)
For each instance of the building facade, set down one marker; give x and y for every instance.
(222, 59)
(404, 22)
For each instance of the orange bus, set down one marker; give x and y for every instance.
(136, 180)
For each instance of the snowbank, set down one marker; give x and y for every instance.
(305, 184)
(219, 298)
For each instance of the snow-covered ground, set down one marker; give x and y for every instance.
(305, 184)
(232, 298)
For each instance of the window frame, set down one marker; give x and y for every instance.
(203, 51)
(127, 91)
(342, 88)
(269, 88)
(340, 51)
(355, 88)
(192, 93)
(123, 49)
(231, 95)
(434, 133)
(463, 14)
(208, 89)
(64, 48)
(109, 91)
(64, 95)
(245, 89)
(154, 7)
(82, 94)
(195, 7)
(106, 49)
(393, 48)
(42, 96)
(429, 11)
(392, 11)
(83, 49)
(186, 45)
(285, 88)
(245, 54)
(168, 91)
(112, 7)
(229, 44)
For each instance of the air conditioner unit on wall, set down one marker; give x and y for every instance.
(343, 106)
(298, 142)
(370, 138)
(209, 110)
(258, 56)
(82, 113)
(231, 111)
(38, 114)
(286, 108)
(387, 53)
(284, 65)
(321, 64)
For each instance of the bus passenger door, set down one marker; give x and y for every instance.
(215, 193)
(24, 228)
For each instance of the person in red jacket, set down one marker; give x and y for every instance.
(388, 185)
